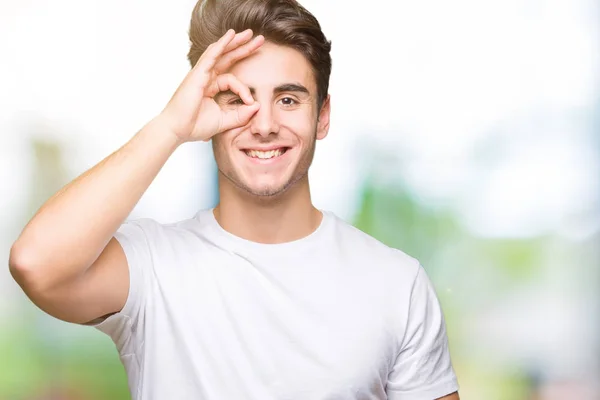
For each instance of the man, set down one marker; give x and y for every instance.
(264, 296)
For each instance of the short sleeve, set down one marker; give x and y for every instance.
(423, 369)
(120, 326)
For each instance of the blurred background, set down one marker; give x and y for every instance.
(466, 133)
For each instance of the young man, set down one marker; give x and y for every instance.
(264, 296)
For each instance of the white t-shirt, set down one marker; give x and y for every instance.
(336, 315)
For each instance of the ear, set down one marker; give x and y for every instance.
(323, 121)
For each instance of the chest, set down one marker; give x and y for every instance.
(279, 329)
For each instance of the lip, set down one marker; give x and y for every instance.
(266, 148)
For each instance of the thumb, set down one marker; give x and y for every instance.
(239, 117)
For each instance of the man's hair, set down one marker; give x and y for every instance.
(282, 22)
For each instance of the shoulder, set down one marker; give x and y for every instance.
(362, 246)
(152, 231)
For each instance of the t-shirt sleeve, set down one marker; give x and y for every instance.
(423, 369)
(133, 239)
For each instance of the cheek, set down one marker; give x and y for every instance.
(220, 148)
(228, 141)
(225, 141)
(301, 122)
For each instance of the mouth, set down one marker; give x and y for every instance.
(265, 155)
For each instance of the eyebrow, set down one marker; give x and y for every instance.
(290, 87)
(286, 87)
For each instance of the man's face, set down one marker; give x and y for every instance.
(275, 149)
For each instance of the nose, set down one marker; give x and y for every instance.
(264, 122)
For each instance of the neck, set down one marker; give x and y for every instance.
(283, 218)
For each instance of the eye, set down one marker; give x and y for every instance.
(236, 102)
(288, 101)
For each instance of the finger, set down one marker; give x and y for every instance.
(237, 117)
(210, 56)
(238, 40)
(230, 58)
(213, 53)
(227, 82)
(223, 42)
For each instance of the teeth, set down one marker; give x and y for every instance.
(264, 155)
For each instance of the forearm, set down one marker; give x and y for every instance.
(72, 228)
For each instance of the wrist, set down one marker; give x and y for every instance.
(160, 127)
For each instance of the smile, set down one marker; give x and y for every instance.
(266, 154)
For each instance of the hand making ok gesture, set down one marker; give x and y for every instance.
(192, 114)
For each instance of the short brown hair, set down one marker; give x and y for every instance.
(282, 22)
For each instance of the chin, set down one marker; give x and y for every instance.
(270, 187)
(266, 190)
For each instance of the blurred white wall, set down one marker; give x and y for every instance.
(432, 78)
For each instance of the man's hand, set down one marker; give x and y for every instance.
(192, 114)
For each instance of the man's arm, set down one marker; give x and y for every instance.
(453, 396)
(66, 259)
(423, 367)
